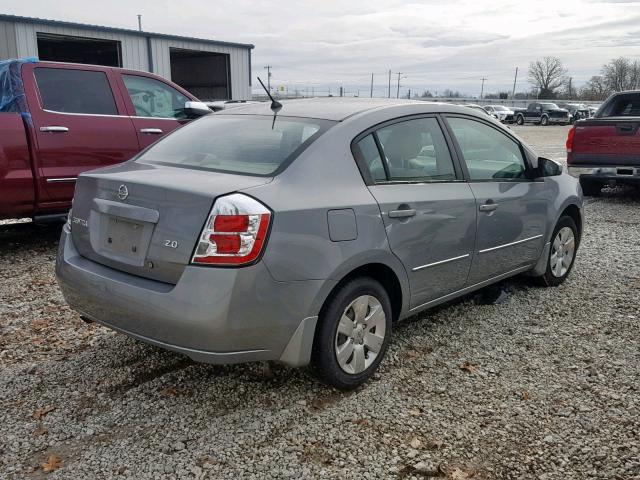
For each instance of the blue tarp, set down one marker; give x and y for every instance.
(12, 97)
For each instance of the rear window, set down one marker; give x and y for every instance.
(625, 105)
(244, 144)
(75, 91)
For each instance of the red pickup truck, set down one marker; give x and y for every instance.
(58, 120)
(605, 149)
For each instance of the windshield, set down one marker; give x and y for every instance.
(500, 108)
(244, 144)
(549, 105)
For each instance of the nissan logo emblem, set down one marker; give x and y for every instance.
(123, 192)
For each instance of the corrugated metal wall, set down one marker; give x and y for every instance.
(134, 48)
(8, 47)
(21, 41)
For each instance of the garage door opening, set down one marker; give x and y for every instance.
(66, 48)
(204, 74)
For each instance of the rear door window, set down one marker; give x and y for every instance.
(75, 91)
(416, 150)
(243, 144)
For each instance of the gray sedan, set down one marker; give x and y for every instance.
(304, 237)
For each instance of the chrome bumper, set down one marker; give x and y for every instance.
(614, 173)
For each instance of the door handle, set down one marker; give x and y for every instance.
(488, 207)
(409, 212)
(151, 131)
(54, 129)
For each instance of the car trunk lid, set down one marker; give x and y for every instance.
(145, 219)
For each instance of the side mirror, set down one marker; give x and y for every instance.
(196, 109)
(548, 168)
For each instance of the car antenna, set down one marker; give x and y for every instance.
(275, 105)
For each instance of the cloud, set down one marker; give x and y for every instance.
(437, 44)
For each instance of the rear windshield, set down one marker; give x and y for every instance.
(625, 105)
(244, 144)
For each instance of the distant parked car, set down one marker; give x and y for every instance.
(218, 105)
(543, 113)
(479, 108)
(304, 237)
(605, 149)
(502, 113)
(577, 111)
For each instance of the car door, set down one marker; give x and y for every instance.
(427, 208)
(512, 207)
(79, 124)
(156, 108)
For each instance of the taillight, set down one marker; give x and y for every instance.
(235, 233)
(570, 136)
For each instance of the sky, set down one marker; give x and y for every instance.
(435, 44)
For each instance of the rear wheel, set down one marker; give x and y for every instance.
(520, 120)
(353, 334)
(544, 121)
(591, 188)
(564, 245)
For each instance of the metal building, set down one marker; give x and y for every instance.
(210, 69)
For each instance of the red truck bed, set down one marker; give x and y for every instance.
(606, 149)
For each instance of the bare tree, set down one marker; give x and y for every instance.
(621, 74)
(595, 89)
(547, 75)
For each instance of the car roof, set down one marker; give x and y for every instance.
(337, 108)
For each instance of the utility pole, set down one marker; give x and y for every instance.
(371, 95)
(409, 94)
(482, 89)
(570, 80)
(515, 79)
(398, 90)
(341, 91)
(268, 67)
(389, 83)
(139, 22)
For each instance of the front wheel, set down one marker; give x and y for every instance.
(544, 121)
(353, 333)
(520, 120)
(564, 245)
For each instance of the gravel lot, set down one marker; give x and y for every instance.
(542, 386)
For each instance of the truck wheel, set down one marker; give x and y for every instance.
(544, 121)
(353, 334)
(562, 254)
(519, 120)
(591, 188)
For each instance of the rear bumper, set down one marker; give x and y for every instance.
(623, 173)
(213, 315)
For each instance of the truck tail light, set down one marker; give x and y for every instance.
(235, 232)
(570, 137)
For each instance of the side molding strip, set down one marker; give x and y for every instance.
(441, 262)
(510, 244)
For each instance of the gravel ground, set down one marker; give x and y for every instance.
(541, 386)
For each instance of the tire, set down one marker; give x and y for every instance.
(591, 188)
(367, 331)
(544, 121)
(519, 120)
(566, 239)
